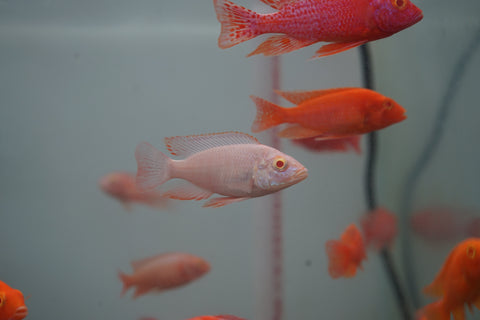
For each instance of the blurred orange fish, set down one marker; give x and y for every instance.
(220, 317)
(122, 186)
(163, 272)
(328, 114)
(344, 23)
(12, 303)
(379, 228)
(232, 164)
(457, 283)
(346, 255)
(333, 145)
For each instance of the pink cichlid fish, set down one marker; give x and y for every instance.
(232, 164)
(344, 23)
(162, 272)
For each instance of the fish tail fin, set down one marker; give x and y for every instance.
(337, 259)
(434, 311)
(153, 167)
(268, 114)
(236, 23)
(126, 280)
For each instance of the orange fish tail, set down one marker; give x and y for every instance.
(434, 311)
(153, 167)
(236, 23)
(126, 280)
(268, 115)
(337, 259)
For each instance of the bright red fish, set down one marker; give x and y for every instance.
(219, 317)
(122, 186)
(12, 303)
(379, 228)
(457, 283)
(163, 272)
(328, 114)
(334, 145)
(344, 23)
(346, 255)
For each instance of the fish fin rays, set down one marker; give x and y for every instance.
(296, 131)
(336, 47)
(187, 191)
(280, 44)
(222, 201)
(184, 146)
(153, 167)
(298, 97)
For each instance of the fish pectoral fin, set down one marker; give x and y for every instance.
(187, 191)
(277, 45)
(336, 47)
(276, 4)
(296, 131)
(298, 97)
(222, 201)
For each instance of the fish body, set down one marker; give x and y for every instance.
(346, 255)
(346, 24)
(219, 317)
(163, 272)
(328, 114)
(122, 186)
(333, 145)
(379, 228)
(12, 303)
(232, 164)
(457, 283)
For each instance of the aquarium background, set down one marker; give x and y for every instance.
(81, 83)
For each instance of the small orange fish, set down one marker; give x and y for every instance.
(12, 303)
(219, 317)
(346, 255)
(328, 114)
(379, 228)
(344, 23)
(333, 145)
(457, 283)
(122, 186)
(232, 164)
(163, 272)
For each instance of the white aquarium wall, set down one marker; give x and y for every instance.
(82, 82)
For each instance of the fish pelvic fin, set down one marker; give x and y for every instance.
(236, 23)
(126, 280)
(268, 114)
(153, 167)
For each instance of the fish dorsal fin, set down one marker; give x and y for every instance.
(137, 264)
(184, 146)
(277, 4)
(298, 97)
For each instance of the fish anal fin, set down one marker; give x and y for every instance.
(280, 44)
(298, 97)
(222, 201)
(187, 191)
(297, 131)
(184, 146)
(336, 47)
(276, 4)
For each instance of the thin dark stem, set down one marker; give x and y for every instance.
(370, 188)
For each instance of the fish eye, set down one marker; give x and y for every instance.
(471, 252)
(387, 104)
(2, 298)
(280, 164)
(400, 4)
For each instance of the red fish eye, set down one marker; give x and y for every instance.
(400, 4)
(471, 252)
(387, 104)
(280, 163)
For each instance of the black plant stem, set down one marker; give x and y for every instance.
(370, 188)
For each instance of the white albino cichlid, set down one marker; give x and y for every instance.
(232, 164)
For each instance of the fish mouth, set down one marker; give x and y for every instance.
(301, 175)
(20, 313)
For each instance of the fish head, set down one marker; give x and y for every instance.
(471, 258)
(276, 171)
(12, 305)
(392, 16)
(387, 112)
(196, 267)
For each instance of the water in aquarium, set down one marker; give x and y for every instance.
(239, 160)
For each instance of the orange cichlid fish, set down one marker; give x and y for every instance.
(328, 114)
(344, 23)
(162, 272)
(232, 164)
(379, 228)
(346, 255)
(219, 317)
(333, 145)
(12, 303)
(122, 186)
(457, 283)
